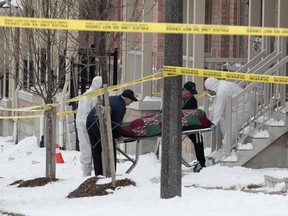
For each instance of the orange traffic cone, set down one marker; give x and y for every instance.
(59, 158)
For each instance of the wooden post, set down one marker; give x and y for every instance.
(107, 111)
(99, 110)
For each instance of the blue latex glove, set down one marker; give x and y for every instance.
(213, 126)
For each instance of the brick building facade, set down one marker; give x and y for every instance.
(217, 12)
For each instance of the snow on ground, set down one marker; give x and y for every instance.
(216, 190)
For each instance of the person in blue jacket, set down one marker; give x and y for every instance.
(190, 102)
(118, 105)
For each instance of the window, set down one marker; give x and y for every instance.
(61, 71)
(25, 74)
(28, 74)
(4, 83)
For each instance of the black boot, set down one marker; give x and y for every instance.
(200, 156)
(197, 167)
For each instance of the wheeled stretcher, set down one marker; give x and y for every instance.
(137, 140)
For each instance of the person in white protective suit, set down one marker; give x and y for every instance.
(241, 109)
(84, 107)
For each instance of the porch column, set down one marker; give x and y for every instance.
(147, 49)
(129, 42)
(282, 23)
(198, 45)
(268, 20)
(188, 38)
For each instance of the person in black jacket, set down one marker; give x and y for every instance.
(190, 102)
(118, 105)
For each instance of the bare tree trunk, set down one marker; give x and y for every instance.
(50, 117)
(51, 114)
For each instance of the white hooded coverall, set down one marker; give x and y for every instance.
(84, 107)
(241, 109)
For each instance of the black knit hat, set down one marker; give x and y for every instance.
(190, 86)
(129, 94)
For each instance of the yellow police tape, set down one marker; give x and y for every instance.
(21, 117)
(225, 75)
(29, 109)
(38, 116)
(145, 27)
(203, 95)
(168, 71)
(67, 112)
(95, 93)
(98, 92)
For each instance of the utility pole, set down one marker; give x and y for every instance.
(172, 126)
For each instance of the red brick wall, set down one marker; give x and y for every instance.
(158, 16)
(225, 12)
(218, 12)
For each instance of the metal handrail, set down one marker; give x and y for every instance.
(263, 65)
(252, 62)
(265, 98)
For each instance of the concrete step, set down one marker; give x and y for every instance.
(244, 156)
(259, 144)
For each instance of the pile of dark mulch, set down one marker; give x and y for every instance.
(89, 188)
(34, 182)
